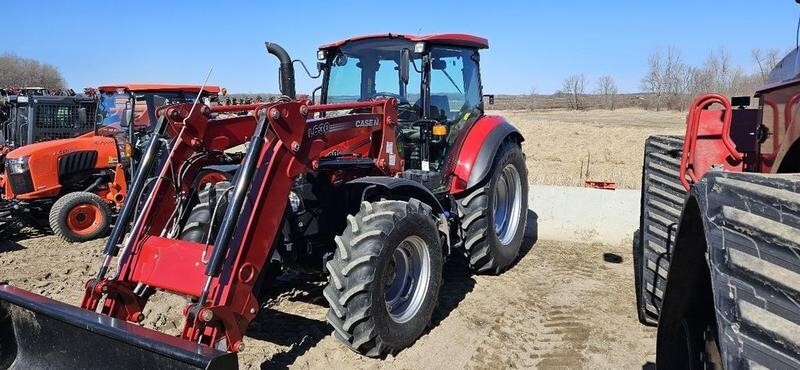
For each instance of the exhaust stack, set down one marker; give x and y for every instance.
(286, 69)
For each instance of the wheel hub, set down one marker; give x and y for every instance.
(84, 219)
(507, 204)
(407, 279)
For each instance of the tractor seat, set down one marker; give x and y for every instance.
(440, 106)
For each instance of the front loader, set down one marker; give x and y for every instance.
(716, 255)
(395, 170)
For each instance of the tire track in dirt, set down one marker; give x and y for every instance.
(561, 306)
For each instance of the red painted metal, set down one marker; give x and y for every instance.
(294, 144)
(599, 184)
(470, 148)
(209, 89)
(458, 39)
(707, 141)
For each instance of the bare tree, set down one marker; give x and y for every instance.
(607, 89)
(667, 80)
(766, 61)
(671, 83)
(652, 81)
(573, 87)
(18, 71)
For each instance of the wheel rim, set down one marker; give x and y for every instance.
(211, 178)
(84, 219)
(407, 279)
(507, 204)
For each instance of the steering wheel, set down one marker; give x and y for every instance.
(383, 94)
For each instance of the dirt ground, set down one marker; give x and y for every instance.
(560, 306)
(559, 143)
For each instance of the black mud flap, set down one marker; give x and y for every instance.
(662, 200)
(37, 332)
(753, 233)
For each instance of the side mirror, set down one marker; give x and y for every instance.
(126, 118)
(405, 57)
(489, 98)
(82, 117)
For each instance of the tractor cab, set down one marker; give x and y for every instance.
(435, 79)
(128, 112)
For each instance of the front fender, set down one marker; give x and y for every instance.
(398, 187)
(473, 158)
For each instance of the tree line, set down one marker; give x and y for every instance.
(17, 71)
(671, 83)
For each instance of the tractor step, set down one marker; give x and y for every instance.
(38, 332)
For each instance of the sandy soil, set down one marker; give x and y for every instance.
(559, 143)
(561, 306)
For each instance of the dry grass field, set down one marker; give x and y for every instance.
(559, 143)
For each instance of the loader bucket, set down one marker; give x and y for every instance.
(37, 332)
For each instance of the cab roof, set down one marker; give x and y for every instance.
(456, 39)
(209, 89)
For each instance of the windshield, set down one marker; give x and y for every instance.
(369, 69)
(111, 107)
(118, 110)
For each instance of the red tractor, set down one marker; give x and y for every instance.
(75, 185)
(397, 168)
(716, 255)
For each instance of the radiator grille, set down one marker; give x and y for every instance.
(76, 162)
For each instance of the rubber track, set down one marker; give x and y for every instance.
(753, 233)
(662, 200)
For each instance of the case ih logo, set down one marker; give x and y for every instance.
(367, 122)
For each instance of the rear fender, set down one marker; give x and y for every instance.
(473, 158)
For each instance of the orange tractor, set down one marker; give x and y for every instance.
(396, 169)
(78, 184)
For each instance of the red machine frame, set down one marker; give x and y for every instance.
(294, 145)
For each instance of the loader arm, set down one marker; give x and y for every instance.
(221, 277)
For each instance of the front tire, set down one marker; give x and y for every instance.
(79, 217)
(494, 215)
(384, 277)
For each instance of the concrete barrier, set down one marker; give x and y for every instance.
(584, 214)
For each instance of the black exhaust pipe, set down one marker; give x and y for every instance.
(286, 69)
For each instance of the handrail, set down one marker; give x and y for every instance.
(693, 126)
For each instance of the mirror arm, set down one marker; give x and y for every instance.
(314, 94)
(319, 73)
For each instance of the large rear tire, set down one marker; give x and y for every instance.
(384, 277)
(79, 217)
(494, 215)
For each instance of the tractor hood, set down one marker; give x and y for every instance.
(40, 166)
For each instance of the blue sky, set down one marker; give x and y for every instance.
(533, 44)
